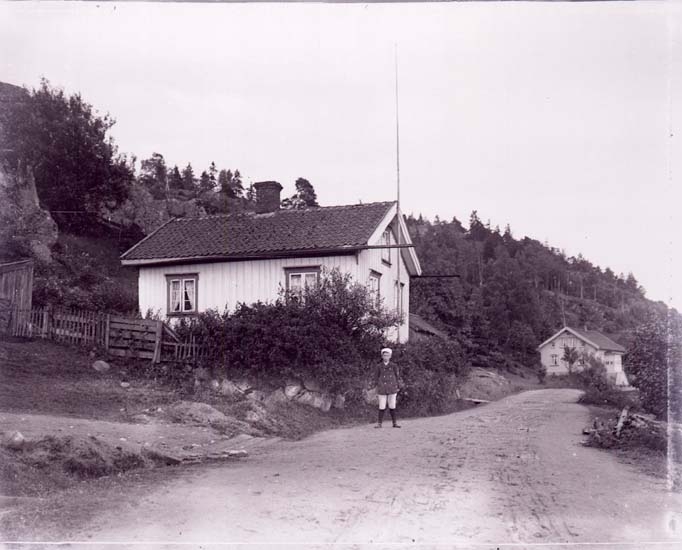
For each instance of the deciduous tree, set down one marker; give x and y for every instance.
(67, 145)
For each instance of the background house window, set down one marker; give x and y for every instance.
(182, 293)
(554, 359)
(374, 285)
(299, 278)
(386, 252)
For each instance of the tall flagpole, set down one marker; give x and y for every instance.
(399, 298)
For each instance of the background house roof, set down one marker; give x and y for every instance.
(603, 341)
(419, 324)
(592, 336)
(250, 234)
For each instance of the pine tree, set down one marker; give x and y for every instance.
(212, 175)
(188, 179)
(205, 184)
(175, 178)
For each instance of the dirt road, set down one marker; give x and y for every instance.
(508, 473)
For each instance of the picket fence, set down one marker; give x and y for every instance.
(117, 335)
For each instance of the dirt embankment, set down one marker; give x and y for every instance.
(62, 421)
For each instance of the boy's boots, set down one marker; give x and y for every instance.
(395, 422)
(381, 418)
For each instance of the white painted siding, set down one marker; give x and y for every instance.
(222, 285)
(370, 260)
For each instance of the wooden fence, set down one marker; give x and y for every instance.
(117, 335)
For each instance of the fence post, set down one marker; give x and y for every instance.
(106, 333)
(159, 338)
(44, 329)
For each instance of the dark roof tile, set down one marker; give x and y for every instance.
(247, 234)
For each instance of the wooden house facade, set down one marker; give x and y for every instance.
(191, 265)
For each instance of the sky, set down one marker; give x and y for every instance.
(559, 119)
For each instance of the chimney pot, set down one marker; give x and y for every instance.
(267, 196)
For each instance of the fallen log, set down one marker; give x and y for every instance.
(621, 419)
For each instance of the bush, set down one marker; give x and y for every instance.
(598, 389)
(431, 370)
(331, 332)
(541, 372)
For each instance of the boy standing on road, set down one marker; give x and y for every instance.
(388, 382)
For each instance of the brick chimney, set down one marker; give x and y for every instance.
(267, 196)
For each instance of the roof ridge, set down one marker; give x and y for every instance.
(281, 210)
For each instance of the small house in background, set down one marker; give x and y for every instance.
(190, 265)
(16, 290)
(583, 341)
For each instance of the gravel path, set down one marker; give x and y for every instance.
(509, 474)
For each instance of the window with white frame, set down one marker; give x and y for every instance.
(182, 293)
(300, 278)
(554, 360)
(386, 241)
(374, 285)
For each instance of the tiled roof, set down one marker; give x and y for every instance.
(601, 340)
(249, 234)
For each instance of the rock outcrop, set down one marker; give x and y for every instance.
(25, 228)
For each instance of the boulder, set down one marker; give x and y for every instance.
(311, 385)
(306, 398)
(323, 402)
(13, 440)
(339, 402)
(243, 385)
(292, 389)
(125, 385)
(190, 412)
(486, 385)
(229, 388)
(101, 366)
(317, 400)
(276, 397)
(256, 395)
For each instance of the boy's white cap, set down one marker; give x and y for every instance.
(387, 350)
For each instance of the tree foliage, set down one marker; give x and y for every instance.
(304, 197)
(654, 361)
(67, 145)
(504, 295)
(571, 357)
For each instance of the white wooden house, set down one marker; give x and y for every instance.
(191, 265)
(584, 341)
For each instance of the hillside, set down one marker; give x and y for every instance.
(510, 295)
